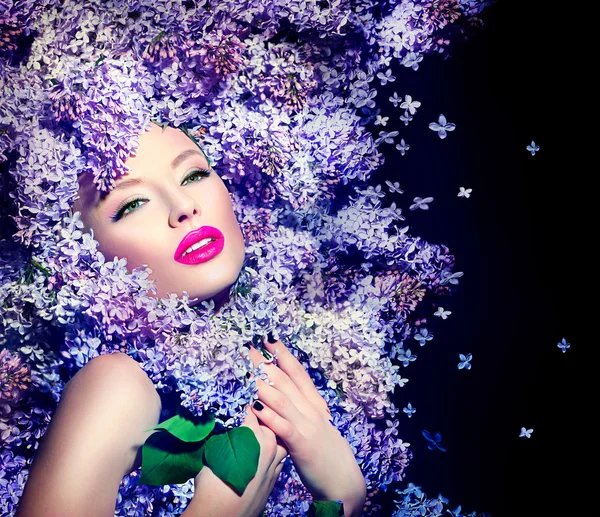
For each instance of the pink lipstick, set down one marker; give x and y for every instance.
(188, 251)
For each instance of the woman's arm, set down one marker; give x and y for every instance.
(93, 440)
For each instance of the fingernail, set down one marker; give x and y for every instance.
(258, 406)
(271, 338)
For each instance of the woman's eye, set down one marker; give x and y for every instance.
(196, 175)
(126, 209)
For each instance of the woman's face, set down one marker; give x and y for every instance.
(169, 201)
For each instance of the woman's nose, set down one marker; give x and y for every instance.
(182, 208)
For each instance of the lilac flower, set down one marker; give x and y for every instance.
(422, 203)
(406, 118)
(440, 312)
(402, 147)
(394, 187)
(407, 357)
(409, 410)
(434, 441)
(395, 100)
(465, 192)
(423, 336)
(563, 345)
(386, 77)
(533, 148)
(525, 433)
(442, 126)
(409, 105)
(15, 378)
(465, 361)
(386, 137)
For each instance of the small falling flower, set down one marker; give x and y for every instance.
(386, 78)
(386, 137)
(442, 126)
(402, 147)
(395, 100)
(442, 313)
(409, 410)
(434, 441)
(381, 121)
(421, 203)
(525, 433)
(563, 345)
(423, 336)
(465, 192)
(532, 148)
(465, 361)
(410, 105)
(394, 187)
(406, 118)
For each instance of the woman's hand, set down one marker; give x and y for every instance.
(295, 411)
(214, 498)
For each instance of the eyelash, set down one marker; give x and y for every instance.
(120, 213)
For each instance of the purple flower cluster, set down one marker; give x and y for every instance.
(279, 95)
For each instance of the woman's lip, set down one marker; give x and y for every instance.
(195, 236)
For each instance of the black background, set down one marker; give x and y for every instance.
(526, 245)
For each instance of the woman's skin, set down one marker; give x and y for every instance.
(110, 402)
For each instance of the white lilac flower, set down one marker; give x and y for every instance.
(533, 148)
(386, 77)
(465, 361)
(394, 187)
(442, 126)
(563, 345)
(402, 147)
(387, 137)
(406, 117)
(422, 203)
(409, 105)
(395, 100)
(525, 433)
(464, 192)
(440, 312)
(423, 336)
(409, 410)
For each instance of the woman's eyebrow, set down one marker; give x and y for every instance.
(123, 184)
(179, 159)
(184, 156)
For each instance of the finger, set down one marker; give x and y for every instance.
(282, 427)
(270, 439)
(281, 454)
(282, 382)
(250, 419)
(296, 372)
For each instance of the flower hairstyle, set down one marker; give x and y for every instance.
(278, 95)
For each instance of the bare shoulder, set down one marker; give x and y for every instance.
(93, 440)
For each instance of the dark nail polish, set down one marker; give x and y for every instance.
(258, 406)
(271, 338)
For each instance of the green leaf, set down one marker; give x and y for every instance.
(188, 428)
(167, 460)
(233, 456)
(325, 509)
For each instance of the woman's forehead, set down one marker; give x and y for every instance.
(154, 142)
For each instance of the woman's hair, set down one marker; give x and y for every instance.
(281, 98)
